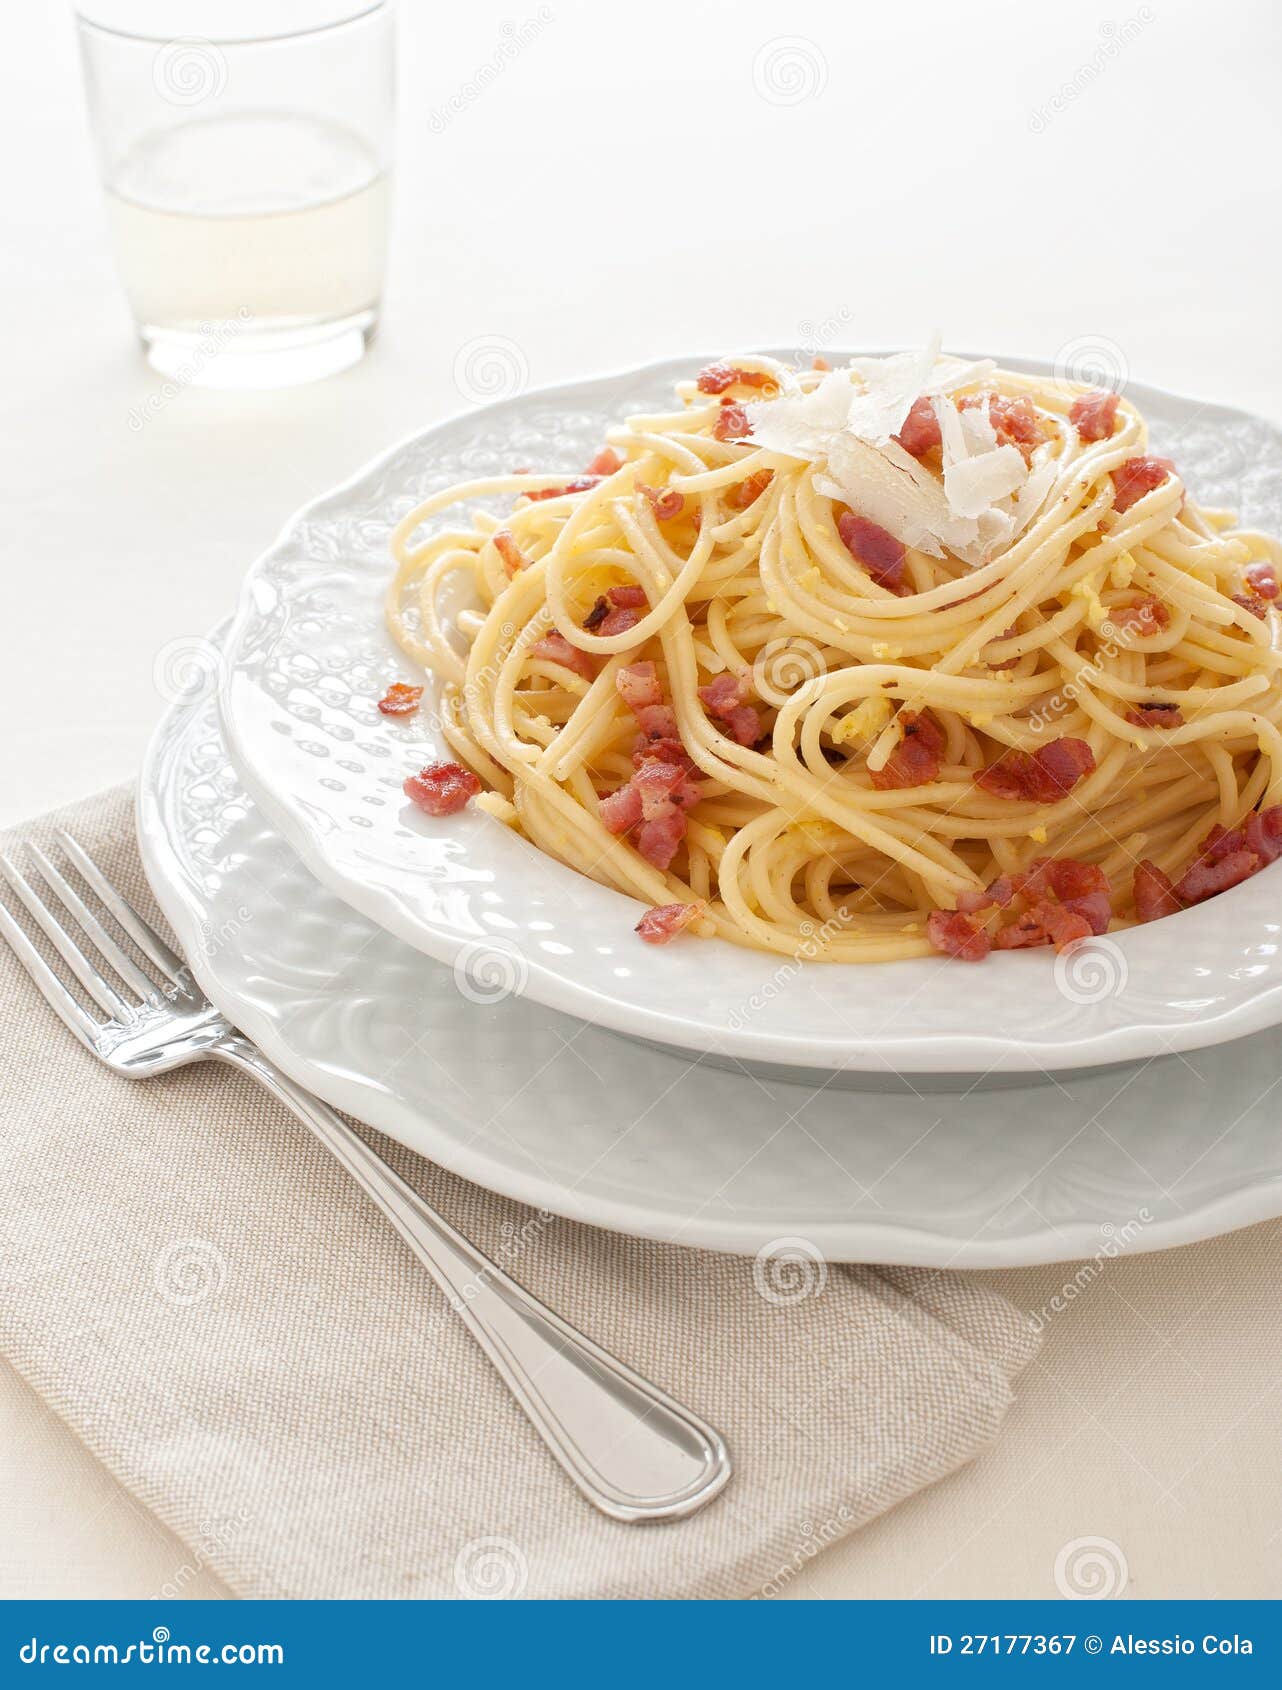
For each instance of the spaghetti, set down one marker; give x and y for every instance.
(858, 664)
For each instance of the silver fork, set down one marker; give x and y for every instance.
(631, 1449)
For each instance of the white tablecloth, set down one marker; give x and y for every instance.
(1027, 179)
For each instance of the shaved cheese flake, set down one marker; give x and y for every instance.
(846, 426)
(975, 485)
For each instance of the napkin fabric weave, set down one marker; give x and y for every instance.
(212, 1305)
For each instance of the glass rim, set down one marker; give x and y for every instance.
(358, 10)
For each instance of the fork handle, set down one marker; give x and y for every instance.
(633, 1451)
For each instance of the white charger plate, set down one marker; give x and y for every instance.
(567, 1117)
(308, 658)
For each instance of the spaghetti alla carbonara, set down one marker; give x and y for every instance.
(861, 663)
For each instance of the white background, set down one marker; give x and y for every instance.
(636, 182)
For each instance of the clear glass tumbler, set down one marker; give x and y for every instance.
(245, 148)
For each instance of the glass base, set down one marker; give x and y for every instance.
(232, 355)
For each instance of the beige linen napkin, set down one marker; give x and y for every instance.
(230, 1326)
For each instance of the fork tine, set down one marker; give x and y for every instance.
(115, 953)
(93, 982)
(60, 1000)
(145, 937)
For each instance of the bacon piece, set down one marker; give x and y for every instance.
(638, 685)
(1094, 414)
(657, 721)
(724, 697)
(661, 925)
(746, 492)
(1136, 477)
(1253, 603)
(958, 935)
(1044, 922)
(996, 895)
(1263, 833)
(1205, 878)
(442, 789)
(639, 689)
(663, 501)
(1156, 716)
(731, 423)
(662, 785)
(580, 484)
(1147, 616)
(659, 840)
(915, 760)
(1081, 888)
(1225, 858)
(666, 750)
(1155, 896)
(1014, 421)
(716, 378)
(921, 429)
(869, 544)
(606, 462)
(616, 611)
(400, 699)
(1039, 777)
(1262, 580)
(621, 810)
(618, 622)
(557, 649)
(514, 558)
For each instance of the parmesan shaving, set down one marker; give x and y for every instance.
(846, 427)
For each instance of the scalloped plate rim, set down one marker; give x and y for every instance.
(924, 1052)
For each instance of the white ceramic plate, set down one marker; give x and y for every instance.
(569, 1118)
(308, 658)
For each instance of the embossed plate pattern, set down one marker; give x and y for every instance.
(573, 1119)
(308, 659)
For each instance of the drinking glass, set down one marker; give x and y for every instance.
(245, 149)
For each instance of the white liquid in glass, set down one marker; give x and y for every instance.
(271, 221)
